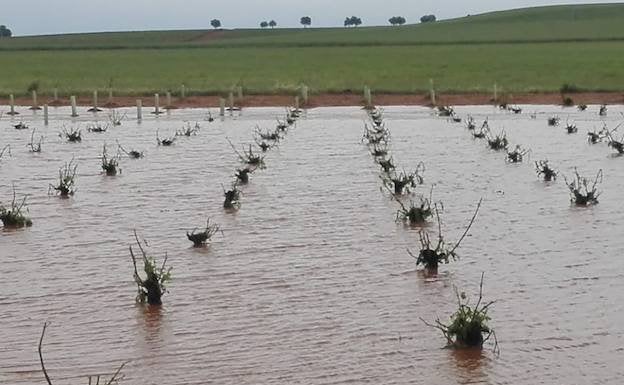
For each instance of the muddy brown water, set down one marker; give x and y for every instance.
(310, 282)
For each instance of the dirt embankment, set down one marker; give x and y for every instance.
(327, 100)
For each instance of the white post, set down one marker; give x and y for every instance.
(495, 93)
(304, 94)
(73, 107)
(35, 105)
(432, 94)
(12, 104)
(239, 90)
(367, 97)
(95, 102)
(110, 96)
(231, 103)
(55, 94)
(183, 92)
(221, 107)
(297, 102)
(139, 105)
(45, 114)
(168, 100)
(156, 104)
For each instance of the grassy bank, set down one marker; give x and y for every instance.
(455, 68)
(528, 50)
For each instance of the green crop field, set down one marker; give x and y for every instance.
(528, 50)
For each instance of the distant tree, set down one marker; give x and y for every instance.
(264, 24)
(5, 32)
(215, 23)
(272, 24)
(428, 19)
(306, 21)
(352, 21)
(397, 20)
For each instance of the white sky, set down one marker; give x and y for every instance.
(33, 17)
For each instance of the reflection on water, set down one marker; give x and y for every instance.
(311, 282)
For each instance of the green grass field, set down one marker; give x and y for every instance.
(530, 50)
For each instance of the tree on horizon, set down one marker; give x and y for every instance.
(5, 32)
(272, 23)
(264, 24)
(216, 23)
(306, 21)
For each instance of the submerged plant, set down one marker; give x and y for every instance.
(116, 118)
(515, 109)
(554, 121)
(582, 107)
(571, 128)
(97, 128)
(152, 288)
(543, 170)
(376, 135)
(415, 214)
(403, 181)
(468, 326)
(470, 123)
(273, 136)
(242, 175)
(134, 154)
(445, 111)
(200, 239)
(188, 130)
(594, 137)
(517, 155)
(67, 179)
(617, 145)
(13, 217)
(110, 165)
(431, 256)
(498, 142)
(379, 151)
(73, 135)
(249, 157)
(584, 192)
(603, 110)
(166, 141)
(232, 198)
(35, 147)
(20, 126)
(264, 146)
(483, 130)
(387, 165)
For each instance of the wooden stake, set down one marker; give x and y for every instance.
(73, 107)
(45, 114)
(139, 105)
(12, 105)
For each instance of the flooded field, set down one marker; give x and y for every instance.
(310, 282)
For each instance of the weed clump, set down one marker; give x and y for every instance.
(584, 192)
(67, 180)
(201, 238)
(110, 165)
(543, 170)
(12, 216)
(431, 256)
(152, 288)
(232, 198)
(468, 326)
(517, 155)
(73, 135)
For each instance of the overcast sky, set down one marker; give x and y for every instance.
(33, 17)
